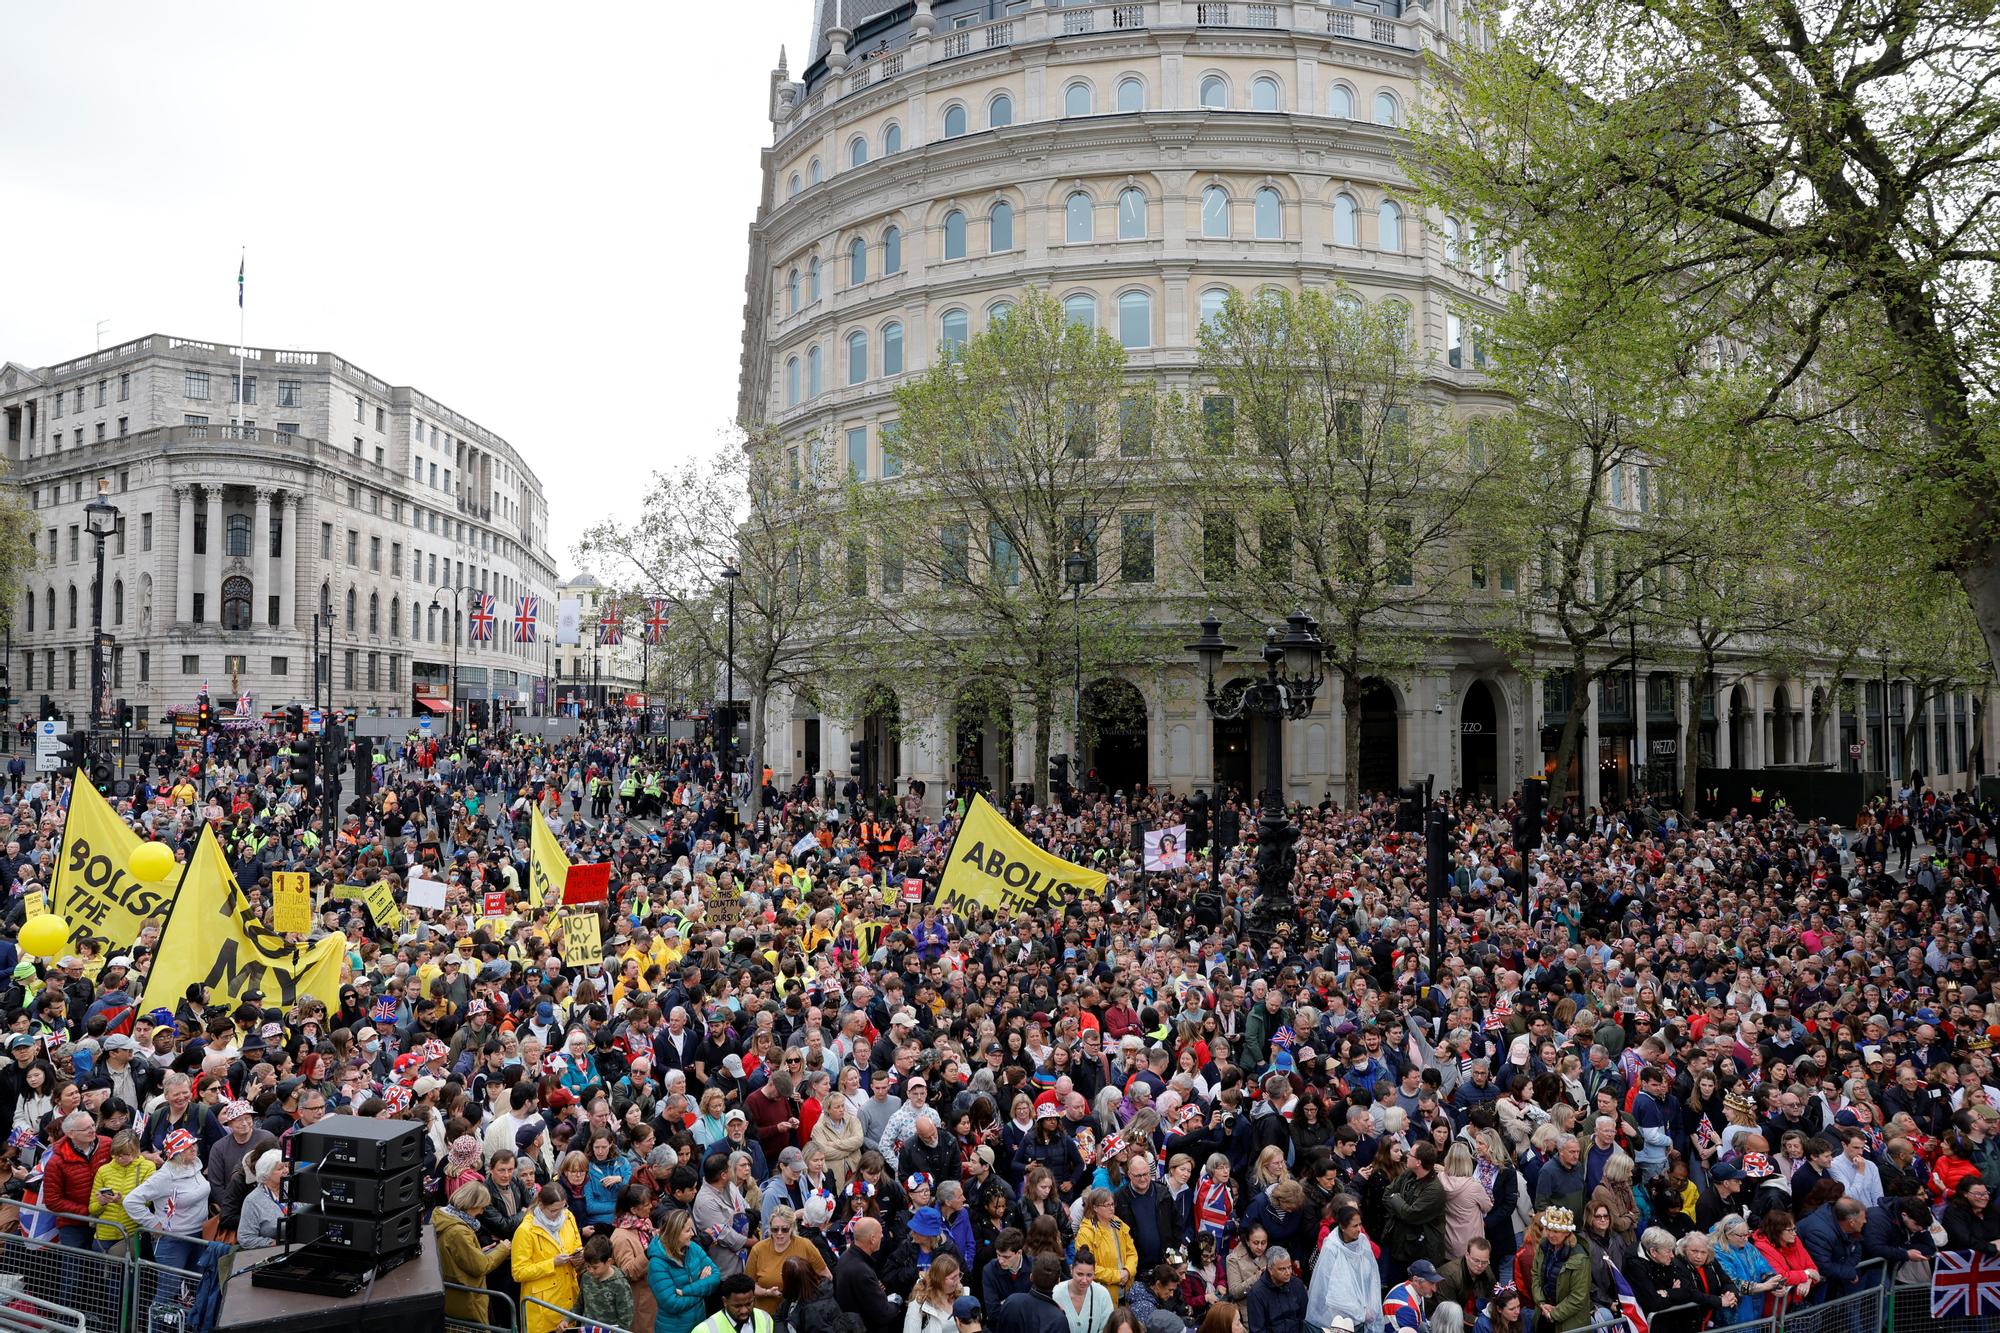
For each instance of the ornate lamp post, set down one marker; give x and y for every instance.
(100, 518)
(1292, 677)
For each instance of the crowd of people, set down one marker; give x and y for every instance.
(1709, 1065)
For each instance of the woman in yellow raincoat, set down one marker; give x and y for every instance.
(547, 1252)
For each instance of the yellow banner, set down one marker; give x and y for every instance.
(547, 866)
(993, 865)
(36, 903)
(582, 943)
(380, 900)
(291, 902)
(213, 942)
(93, 891)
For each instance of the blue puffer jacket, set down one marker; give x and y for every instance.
(679, 1287)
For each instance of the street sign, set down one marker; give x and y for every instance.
(1856, 751)
(424, 727)
(315, 721)
(49, 735)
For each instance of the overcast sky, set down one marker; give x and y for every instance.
(535, 214)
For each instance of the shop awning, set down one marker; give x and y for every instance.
(434, 705)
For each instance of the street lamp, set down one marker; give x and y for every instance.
(730, 574)
(1076, 568)
(1292, 677)
(100, 518)
(451, 684)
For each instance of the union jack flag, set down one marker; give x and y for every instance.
(611, 626)
(482, 618)
(1965, 1282)
(1628, 1304)
(527, 614)
(656, 620)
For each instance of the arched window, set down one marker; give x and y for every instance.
(31, 609)
(236, 604)
(1451, 250)
(813, 382)
(1385, 108)
(374, 613)
(792, 185)
(1215, 211)
(1397, 313)
(792, 292)
(954, 121)
(1270, 215)
(954, 235)
(1264, 95)
(51, 603)
(1000, 112)
(72, 606)
(1076, 100)
(1132, 214)
(892, 139)
(1000, 227)
(892, 348)
(792, 382)
(892, 251)
(812, 281)
(1215, 93)
(857, 152)
(1340, 102)
(1389, 227)
(813, 175)
(1081, 309)
(857, 262)
(395, 617)
(857, 357)
(1131, 95)
(1348, 304)
(417, 621)
(118, 601)
(952, 330)
(1078, 221)
(351, 603)
(1344, 232)
(998, 311)
(1135, 319)
(1212, 302)
(238, 529)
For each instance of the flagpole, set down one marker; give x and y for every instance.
(242, 396)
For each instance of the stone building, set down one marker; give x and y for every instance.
(309, 488)
(1139, 160)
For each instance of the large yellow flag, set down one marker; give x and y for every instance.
(212, 940)
(548, 868)
(93, 891)
(993, 864)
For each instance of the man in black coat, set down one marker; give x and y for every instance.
(856, 1287)
(1148, 1210)
(1278, 1299)
(1031, 1311)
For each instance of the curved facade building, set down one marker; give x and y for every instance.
(1140, 160)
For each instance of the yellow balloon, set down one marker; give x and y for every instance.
(44, 936)
(151, 862)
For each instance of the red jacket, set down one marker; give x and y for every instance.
(67, 1176)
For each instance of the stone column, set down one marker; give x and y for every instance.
(1586, 756)
(212, 576)
(260, 557)
(184, 556)
(288, 557)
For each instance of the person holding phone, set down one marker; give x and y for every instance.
(548, 1251)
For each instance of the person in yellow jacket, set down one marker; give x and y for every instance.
(1109, 1241)
(116, 1179)
(547, 1252)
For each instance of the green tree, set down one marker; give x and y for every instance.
(1811, 186)
(1015, 450)
(1350, 491)
(743, 507)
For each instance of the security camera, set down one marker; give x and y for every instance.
(1438, 708)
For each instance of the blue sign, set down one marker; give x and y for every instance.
(423, 726)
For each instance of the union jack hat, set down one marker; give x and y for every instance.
(397, 1098)
(406, 1062)
(177, 1141)
(434, 1050)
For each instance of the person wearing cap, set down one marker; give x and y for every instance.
(171, 1205)
(1722, 1198)
(909, 1261)
(1559, 1274)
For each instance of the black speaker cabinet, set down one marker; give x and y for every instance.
(335, 1191)
(353, 1144)
(352, 1231)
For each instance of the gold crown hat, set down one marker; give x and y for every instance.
(1558, 1219)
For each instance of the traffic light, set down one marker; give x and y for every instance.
(1410, 803)
(1058, 773)
(6, 688)
(126, 717)
(204, 715)
(857, 759)
(304, 764)
(1528, 824)
(49, 710)
(295, 717)
(364, 767)
(1197, 822)
(76, 751)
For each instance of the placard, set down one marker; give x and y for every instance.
(36, 903)
(426, 893)
(493, 904)
(380, 900)
(291, 902)
(582, 944)
(587, 884)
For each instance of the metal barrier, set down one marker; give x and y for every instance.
(1857, 1312)
(22, 1313)
(160, 1295)
(1910, 1312)
(93, 1284)
(570, 1318)
(497, 1303)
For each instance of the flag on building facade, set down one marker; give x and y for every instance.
(481, 619)
(527, 612)
(611, 626)
(656, 620)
